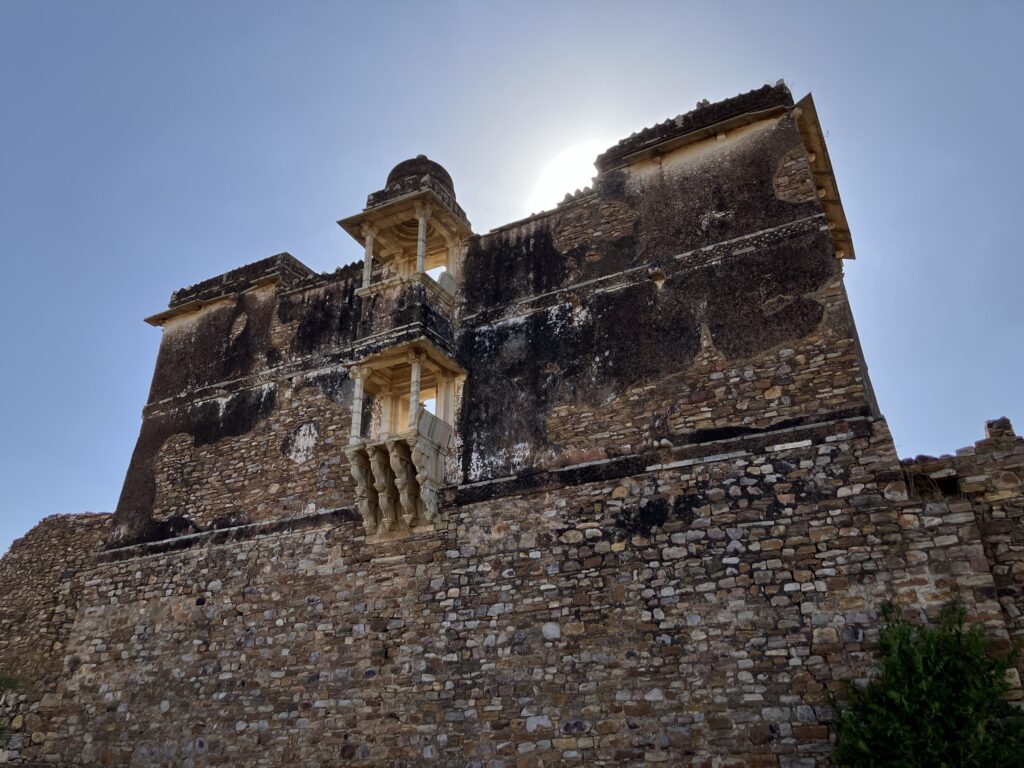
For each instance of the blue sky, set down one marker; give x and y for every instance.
(145, 146)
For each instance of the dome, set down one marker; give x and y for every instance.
(417, 167)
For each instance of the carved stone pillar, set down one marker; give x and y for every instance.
(386, 415)
(422, 216)
(453, 257)
(416, 361)
(357, 405)
(446, 400)
(368, 233)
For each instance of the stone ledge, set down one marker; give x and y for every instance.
(230, 535)
(852, 423)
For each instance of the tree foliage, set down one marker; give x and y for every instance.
(939, 701)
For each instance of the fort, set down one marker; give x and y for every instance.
(605, 486)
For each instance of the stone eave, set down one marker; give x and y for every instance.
(824, 178)
(422, 344)
(353, 224)
(704, 116)
(195, 305)
(700, 134)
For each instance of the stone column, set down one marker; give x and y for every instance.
(446, 400)
(422, 214)
(453, 250)
(368, 233)
(385, 415)
(414, 389)
(355, 436)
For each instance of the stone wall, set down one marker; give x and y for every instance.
(689, 295)
(678, 300)
(40, 590)
(982, 486)
(290, 462)
(695, 611)
(673, 513)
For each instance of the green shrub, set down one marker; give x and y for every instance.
(939, 700)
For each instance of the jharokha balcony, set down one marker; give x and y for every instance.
(398, 460)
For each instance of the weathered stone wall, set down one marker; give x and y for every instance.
(290, 462)
(40, 589)
(982, 485)
(693, 610)
(674, 509)
(249, 408)
(690, 295)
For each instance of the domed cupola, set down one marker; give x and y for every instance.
(412, 227)
(415, 169)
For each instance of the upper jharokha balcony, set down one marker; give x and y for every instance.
(412, 230)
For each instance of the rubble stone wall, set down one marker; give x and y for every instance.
(983, 484)
(697, 610)
(291, 462)
(673, 301)
(40, 592)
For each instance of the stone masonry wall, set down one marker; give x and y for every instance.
(691, 295)
(982, 484)
(694, 612)
(40, 589)
(291, 462)
(682, 299)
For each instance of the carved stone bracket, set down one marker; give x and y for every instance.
(398, 480)
(366, 493)
(405, 480)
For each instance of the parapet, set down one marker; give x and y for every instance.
(745, 108)
(283, 268)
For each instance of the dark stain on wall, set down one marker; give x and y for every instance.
(595, 349)
(226, 341)
(332, 385)
(517, 369)
(333, 319)
(502, 268)
(211, 421)
(641, 518)
(691, 205)
(759, 299)
(327, 316)
(206, 422)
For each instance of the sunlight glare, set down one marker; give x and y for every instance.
(569, 170)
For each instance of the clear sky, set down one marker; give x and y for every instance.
(145, 146)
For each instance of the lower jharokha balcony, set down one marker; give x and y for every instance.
(398, 460)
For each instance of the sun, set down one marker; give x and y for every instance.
(569, 170)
